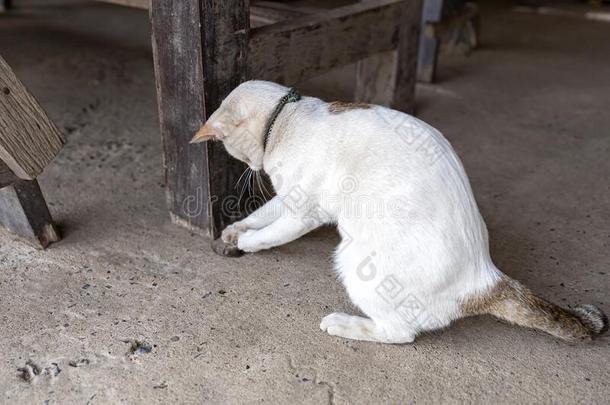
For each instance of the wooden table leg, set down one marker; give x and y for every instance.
(24, 212)
(389, 78)
(199, 51)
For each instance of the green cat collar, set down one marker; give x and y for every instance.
(291, 97)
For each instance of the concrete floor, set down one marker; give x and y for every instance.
(527, 113)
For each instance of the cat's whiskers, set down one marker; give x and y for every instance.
(261, 186)
(240, 178)
(258, 182)
(250, 182)
(245, 185)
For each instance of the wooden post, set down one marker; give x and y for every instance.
(428, 44)
(389, 78)
(199, 49)
(24, 212)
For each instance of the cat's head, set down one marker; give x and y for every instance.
(241, 120)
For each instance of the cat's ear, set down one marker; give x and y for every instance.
(206, 133)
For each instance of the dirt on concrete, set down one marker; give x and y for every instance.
(130, 308)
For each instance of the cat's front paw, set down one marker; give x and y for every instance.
(247, 241)
(231, 233)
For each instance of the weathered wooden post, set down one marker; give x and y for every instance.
(200, 50)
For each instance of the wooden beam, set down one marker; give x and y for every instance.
(28, 138)
(287, 8)
(141, 4)
(199, 49)
(266, 13)
(24, 212)
(290, 52)
(263, 15)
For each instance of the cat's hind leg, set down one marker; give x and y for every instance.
(360, 328)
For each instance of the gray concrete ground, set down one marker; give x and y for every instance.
(527, 113)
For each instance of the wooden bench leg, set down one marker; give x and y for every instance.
(389, 78)
(199, 52)
(24, 212)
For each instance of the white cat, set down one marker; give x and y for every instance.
(414, 254)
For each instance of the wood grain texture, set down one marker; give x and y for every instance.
(224, 31)
(28, 138)
(263, 15)
(287, 8)
(24, 212)
(290, 52)
(388, 78)
(142, 4)
(200, 56)
(266, 13)
(376, 79)
(176, 44)
(408, 46)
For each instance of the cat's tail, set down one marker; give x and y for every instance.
(515, 303)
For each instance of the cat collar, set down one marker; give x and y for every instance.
(291, 97)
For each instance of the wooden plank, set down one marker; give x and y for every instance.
(7, 177)
(388, 78)
(287, 8)
(408, 46)
(142, 4)
(264, 15)
(225, 29)
(28, 138)
(24, 212)
(376, 79)
(199, 50)
(290, 52)
(176, 44)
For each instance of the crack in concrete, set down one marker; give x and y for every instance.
(329, 386)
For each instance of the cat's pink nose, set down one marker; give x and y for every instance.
(205, 133)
